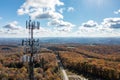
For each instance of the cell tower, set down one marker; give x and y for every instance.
(31, 45)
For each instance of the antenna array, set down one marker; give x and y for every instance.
(31, 45)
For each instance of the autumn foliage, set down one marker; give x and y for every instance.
(91, 64)
(12, 68)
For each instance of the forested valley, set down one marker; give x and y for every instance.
(92, 61)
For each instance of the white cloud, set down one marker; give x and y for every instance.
(61, 10)
(61, 25)
(107, 25)
(63, 29)
(14, 30)
(107, 28)
(46, 9)
(90, 24)
(110, 27)
(41, 8)
(70, 9)
(117, 12)
(112, 23)
(12, 26)
(46, 15)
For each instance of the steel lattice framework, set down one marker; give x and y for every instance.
(31, 46)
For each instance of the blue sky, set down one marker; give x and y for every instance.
(61, 18)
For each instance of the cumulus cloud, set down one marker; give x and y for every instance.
(61, 25)
(90, 24)
(13, 29)
(12, 26)
(107, 24)
(92, 28)
(63, 29)
(107, 28)
(111, 22)
(70, 9)
(41, 8)
(117, 12)
(61, 10)
(46, 9)
(46, 15)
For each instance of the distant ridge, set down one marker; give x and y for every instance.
(63, 40)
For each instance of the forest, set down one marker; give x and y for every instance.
(13, 68)
(92, 61)
(95, 62)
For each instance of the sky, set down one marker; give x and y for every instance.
(60, 18)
